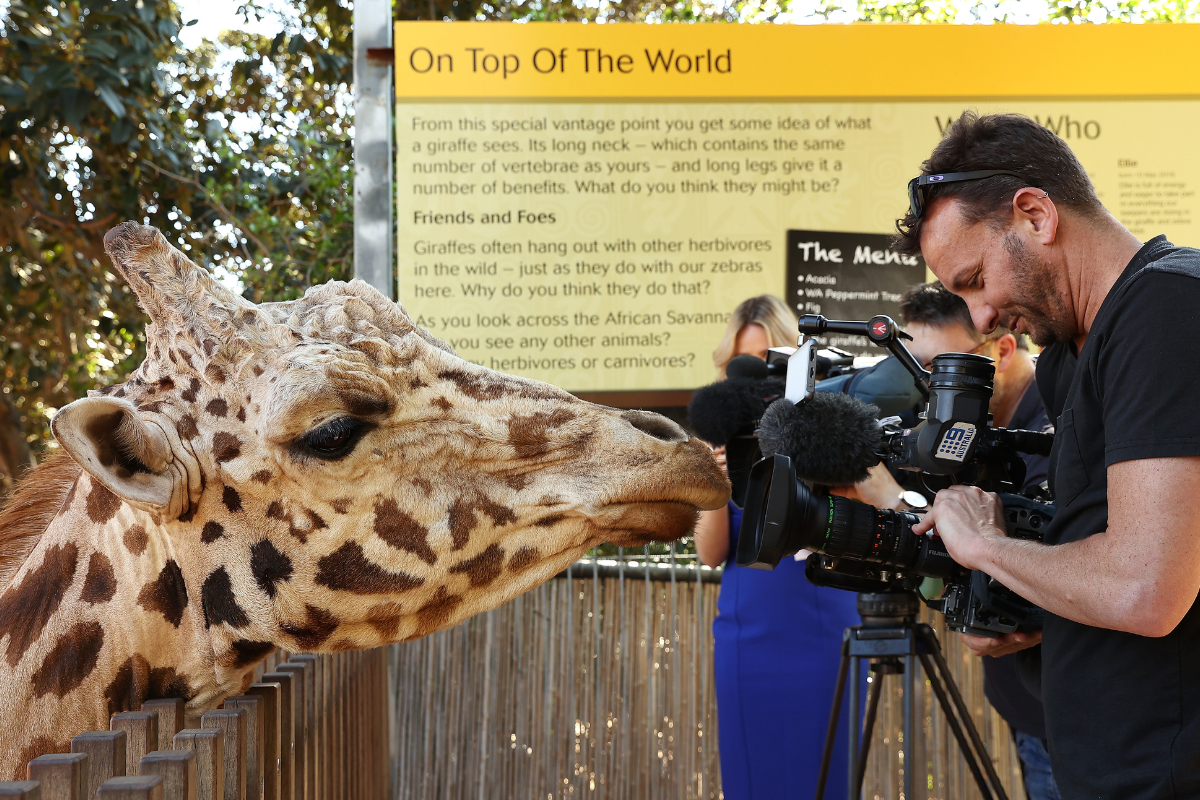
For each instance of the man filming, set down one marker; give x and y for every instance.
(940, 322)
(1007, 218)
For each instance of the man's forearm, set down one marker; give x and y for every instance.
(1084, 581)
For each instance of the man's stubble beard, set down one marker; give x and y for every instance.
(1047, 318)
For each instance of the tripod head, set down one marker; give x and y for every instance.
(892, 609)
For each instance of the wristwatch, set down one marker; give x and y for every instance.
(912, 501)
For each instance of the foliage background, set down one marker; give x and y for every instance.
(240, 150)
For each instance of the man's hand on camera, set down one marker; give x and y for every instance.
(968, 519)
(1002, 646)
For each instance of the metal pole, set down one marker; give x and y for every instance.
(373, 261)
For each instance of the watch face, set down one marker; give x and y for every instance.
(914, 499)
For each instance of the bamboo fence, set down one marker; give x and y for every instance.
(599, 684)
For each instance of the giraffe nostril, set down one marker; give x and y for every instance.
(655, 425)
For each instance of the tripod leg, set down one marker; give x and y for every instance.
(852, 753)
(910, 689)
(868, 725)
(831, 731)
(935, 649)
(964, 747)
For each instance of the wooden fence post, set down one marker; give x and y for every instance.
(63, 776)
(20, 790)
(170, 720)
(106, 756)
(287, 732)
(269, 695)
(314, 717)
(305, 754)
(299, 739)
(141, 731)
(209, 744)
(132, 787)
(255, 722)
(177, 768)
(231, 722)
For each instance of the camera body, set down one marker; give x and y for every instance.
(861, 548)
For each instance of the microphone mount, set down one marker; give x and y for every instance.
(881, 330)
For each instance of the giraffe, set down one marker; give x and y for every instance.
(319, 475)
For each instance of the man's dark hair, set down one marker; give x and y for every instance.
(934, 304)
(999, 141)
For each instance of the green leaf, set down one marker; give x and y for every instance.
(296, 44)
(110, 99)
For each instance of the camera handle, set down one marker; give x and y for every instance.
(881, 330)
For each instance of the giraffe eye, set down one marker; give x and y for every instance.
(335, 439)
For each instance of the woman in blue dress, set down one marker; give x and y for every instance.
(777, 637)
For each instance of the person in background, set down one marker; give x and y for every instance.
(777, 637)
(940, 322)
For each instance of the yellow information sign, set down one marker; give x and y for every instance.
(585, 204)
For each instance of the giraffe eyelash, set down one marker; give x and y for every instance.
(333, 440)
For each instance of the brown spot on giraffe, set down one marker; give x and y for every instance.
(41, 746)
(402, 531)
(136, 682)
(341, 505)
(529, 434)
(463, 517)
(209, 346)
(241, 415)
(101, 583)
(550, 521)
(477, 387)
(219, 602)
(269, 566)
(436, 612)
(318, 626)
(102, 505)
(483, 568)
(385, 619)
(523, 559)
(225, 447)
(27, 607)
(231, 499)
(243, 653)
(217, 407)
(442, 403)
(166, 594)
(517, 481)
(424, 485)
(347, 569)
(70, 661)
(187, 427)
(214, 373)
(189, 394)
(135, 539)
(212, 531)
(262, 476)
(70, 498)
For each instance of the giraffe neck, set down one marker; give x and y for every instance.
(100, 617)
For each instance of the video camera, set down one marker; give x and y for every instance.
(861, 548)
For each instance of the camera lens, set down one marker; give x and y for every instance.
(962, 371)
(783, 517)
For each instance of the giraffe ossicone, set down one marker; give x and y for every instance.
(319, 474)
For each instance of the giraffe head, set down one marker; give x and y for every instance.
(330, 475)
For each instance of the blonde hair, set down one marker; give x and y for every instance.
(766, 310)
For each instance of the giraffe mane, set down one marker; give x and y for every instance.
(30, 508)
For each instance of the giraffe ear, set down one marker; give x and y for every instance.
(108, 437)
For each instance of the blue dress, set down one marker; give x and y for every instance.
(777, 646)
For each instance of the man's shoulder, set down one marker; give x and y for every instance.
(1183, 262)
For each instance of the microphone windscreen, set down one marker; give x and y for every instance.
(746, 367)
(722, 410)
(831, 438)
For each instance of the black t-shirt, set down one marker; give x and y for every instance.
(1123, 711)
(1001, 676)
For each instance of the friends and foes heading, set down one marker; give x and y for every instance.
(594, 60)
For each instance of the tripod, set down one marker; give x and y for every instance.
(889, 639)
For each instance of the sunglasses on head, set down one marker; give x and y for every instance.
(917, 186)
